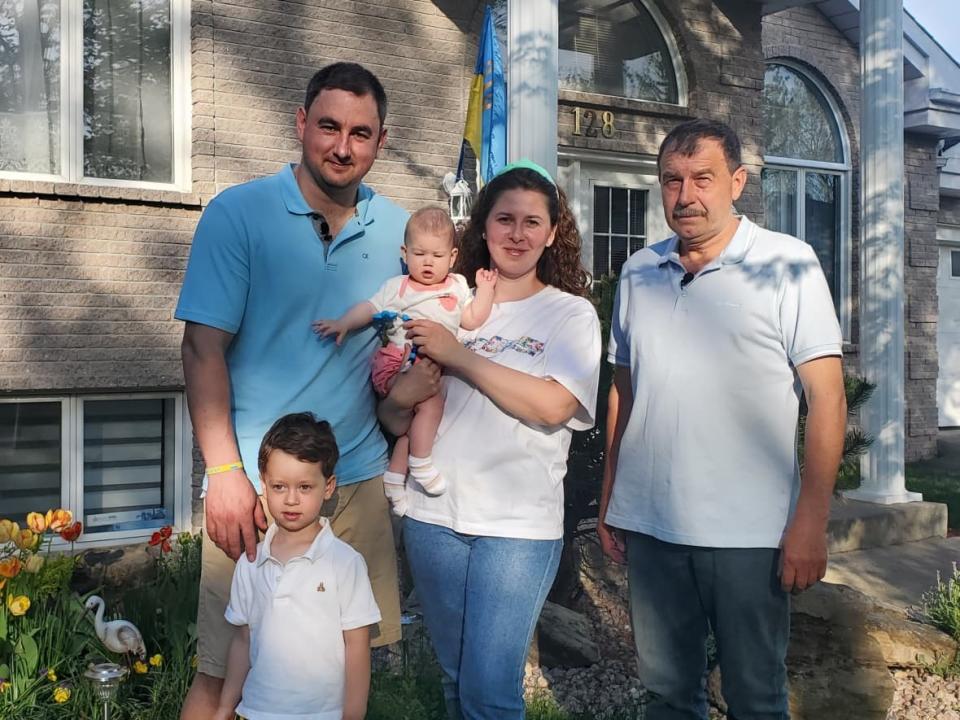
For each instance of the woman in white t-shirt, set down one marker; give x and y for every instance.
(485, 553)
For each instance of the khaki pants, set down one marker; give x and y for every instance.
(360, 516)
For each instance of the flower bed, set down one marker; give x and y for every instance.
(47, 638)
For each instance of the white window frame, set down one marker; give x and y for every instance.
(71, 465)
(580, 170)
(71, 104)
(841, 169)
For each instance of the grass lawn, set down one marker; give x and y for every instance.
(938, 484)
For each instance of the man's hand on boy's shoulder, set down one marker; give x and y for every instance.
(233, 514)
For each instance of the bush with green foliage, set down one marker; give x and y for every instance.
(941, 605)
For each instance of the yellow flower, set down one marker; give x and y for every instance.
(3, 581)
(51, 675)
(18, 605)
(24, 539)
(8, 530)
(61, 694)
(10, 567)
(139, 668)
(194, 661)
(33, 564)
(3, 686)
(36, 522)
(156, 660)
(58, 519)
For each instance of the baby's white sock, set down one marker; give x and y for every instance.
(423, 471)
(395, 489)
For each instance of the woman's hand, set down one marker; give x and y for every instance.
(435, 341)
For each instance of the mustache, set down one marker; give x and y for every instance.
(688, 212)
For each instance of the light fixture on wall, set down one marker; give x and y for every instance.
(460, 197)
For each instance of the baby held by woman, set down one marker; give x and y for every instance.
(429, 291)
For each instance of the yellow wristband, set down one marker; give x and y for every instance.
(216, 469)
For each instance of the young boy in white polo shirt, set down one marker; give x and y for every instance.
(303, 608)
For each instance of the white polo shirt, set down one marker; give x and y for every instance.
(297, 614)
(708, 456)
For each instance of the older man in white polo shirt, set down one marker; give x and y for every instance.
(716, 332)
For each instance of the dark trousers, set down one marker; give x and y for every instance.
(678, 594)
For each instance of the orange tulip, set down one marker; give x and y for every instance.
(58, 519)
(10, 567)
(36, 522)
(72, 532)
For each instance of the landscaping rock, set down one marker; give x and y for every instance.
(565, 638)
(836, 671)
(114, 567)
(903, 642)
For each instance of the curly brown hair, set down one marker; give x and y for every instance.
(559, 265)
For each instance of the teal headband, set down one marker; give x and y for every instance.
(526, 164)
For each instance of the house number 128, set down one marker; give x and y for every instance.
(591, 123)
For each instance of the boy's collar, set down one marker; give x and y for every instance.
(313, 553)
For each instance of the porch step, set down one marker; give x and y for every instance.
(856, 525)
(896, 575)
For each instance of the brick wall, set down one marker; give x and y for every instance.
(920, 282)
(263, 53)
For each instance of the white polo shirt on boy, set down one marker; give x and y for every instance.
(297, 614)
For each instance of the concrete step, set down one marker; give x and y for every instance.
(897, 574)
(858, 525)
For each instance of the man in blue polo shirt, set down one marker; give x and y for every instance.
(716, 333)
(269, 257)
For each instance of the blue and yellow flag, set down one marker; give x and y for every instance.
(486, 127)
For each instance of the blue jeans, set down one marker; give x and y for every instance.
(481, 597)
(677, 594)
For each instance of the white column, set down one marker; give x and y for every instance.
(532, 82)
(881, 273)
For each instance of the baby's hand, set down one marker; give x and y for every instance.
(486, 278)
(326, 328)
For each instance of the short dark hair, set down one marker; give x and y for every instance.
(686, 136)
(303, 436)
(351, 77)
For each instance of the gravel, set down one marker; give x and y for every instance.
(611, 687)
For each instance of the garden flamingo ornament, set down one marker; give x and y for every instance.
(119, 636)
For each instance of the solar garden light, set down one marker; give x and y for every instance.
(105, 678)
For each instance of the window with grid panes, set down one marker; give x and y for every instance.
(114, 462)
(95, 91)
(619, 227)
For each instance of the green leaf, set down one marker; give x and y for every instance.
(3, 624)
(4, 671)
(29, 653)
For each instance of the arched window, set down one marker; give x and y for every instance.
(806, 172)
(617, 47)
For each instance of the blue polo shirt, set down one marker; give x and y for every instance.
(259, 270)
